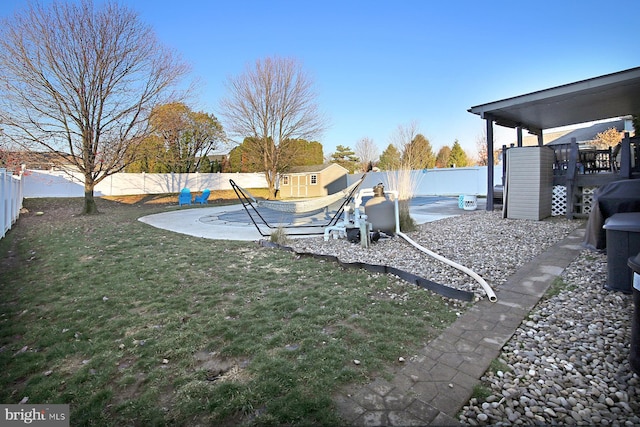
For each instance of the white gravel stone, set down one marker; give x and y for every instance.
(482, 241)
(575, 361)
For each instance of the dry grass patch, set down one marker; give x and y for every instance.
(137, 325)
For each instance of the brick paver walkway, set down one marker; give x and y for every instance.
(432, 388)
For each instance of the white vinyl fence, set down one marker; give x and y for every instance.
(10, 200)
(441, 182)
(64, 184)
(438, 182)
(36, 183)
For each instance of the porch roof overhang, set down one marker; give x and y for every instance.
(604, 97)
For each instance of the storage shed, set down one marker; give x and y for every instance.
(313, 181)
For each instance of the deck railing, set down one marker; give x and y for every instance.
(577, 168)
(622, 159)
(571, 160)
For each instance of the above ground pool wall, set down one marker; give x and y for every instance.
(441, 181)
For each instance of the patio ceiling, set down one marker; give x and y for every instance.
(611, 95)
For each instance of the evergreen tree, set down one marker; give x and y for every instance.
(243, 159)
(389, 159)
(418, 154)
(149, 157)
(205, 165)
(345, 157)
(458, 157)
(209, 166)
(295, 152)
(306, 153)
(235, 159)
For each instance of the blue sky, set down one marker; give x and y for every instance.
(380, 64)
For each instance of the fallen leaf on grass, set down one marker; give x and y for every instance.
(22, 350)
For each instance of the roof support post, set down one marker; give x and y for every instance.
(625, 157)
(519, 135)
(571, 176)
(489, 206)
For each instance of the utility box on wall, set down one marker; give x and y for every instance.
(529, 183)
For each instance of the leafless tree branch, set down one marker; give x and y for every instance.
(272, 103)
(83, 79)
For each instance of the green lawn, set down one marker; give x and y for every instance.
(133, 325)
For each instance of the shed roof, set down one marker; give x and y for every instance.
(314, 168)
(607, 96)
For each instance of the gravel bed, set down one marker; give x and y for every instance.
(491, 246)
(567, 363)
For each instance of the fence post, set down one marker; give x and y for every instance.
(4, 190)
(10, 200)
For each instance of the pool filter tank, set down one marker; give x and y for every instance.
(380, 211)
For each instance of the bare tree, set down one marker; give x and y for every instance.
(272, 104)
(481, 147)
(415, 148)
(367, 152)
(403, 180)
(403, 136)
(82, 79)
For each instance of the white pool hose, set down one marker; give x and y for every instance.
(490, 294)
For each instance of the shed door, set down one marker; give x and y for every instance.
(299, 186)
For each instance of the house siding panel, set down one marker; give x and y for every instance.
(529, 183)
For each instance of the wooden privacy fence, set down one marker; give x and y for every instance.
(10, 200)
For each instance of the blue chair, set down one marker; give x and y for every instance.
(203, 198)
(184, 198)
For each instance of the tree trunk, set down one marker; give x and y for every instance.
(271, 183)
(90, 207)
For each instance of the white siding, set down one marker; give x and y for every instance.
(529, 183)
